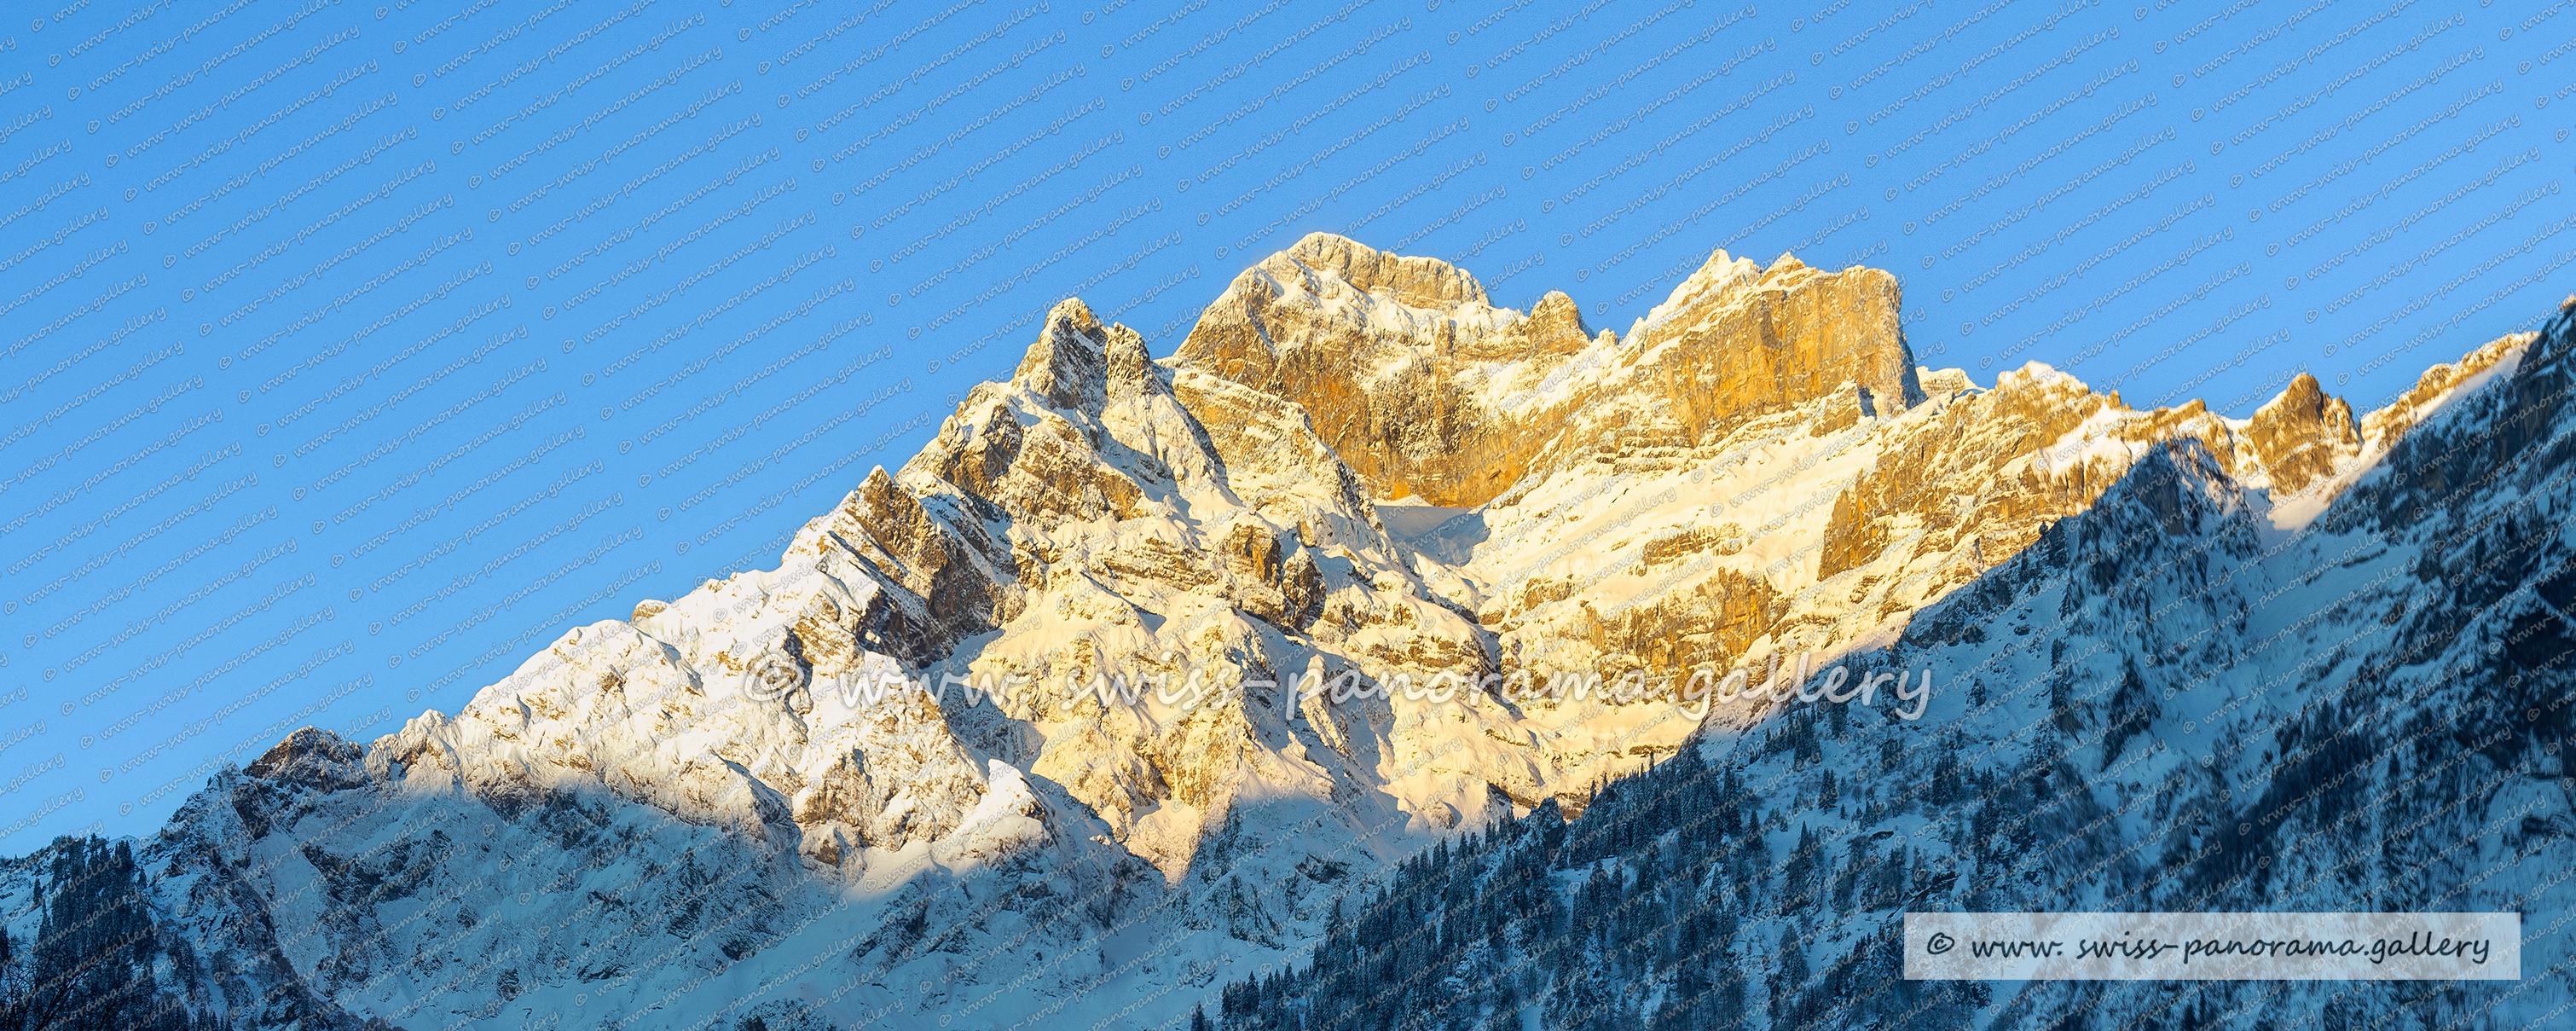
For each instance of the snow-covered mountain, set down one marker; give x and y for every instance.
(2196, 695)
(1142, 673)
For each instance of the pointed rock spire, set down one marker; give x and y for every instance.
(2302, 434)
(1069, 363)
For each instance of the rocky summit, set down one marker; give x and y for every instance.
(1113, 696)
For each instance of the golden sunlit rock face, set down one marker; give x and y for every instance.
(1757, 466)
(1402, 364)
(1430, 391)
(1355, 467)
(2303, 434)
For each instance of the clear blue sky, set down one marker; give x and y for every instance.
(355, 351)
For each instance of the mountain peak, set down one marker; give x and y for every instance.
(2302, 435)
(1069, 363)
(1789, 332)
(1427, 390)
(1396, 359)
(1416, 281)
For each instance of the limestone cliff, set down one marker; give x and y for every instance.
(1430, 391)
(1757, 467)
(1406, 369)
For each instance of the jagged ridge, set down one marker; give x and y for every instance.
(1758, 468)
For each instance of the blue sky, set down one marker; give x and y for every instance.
(353, 352)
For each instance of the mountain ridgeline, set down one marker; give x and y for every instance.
(2309, 659)
(2176, 706)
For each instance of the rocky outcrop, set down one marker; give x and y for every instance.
(1734, 339)
(1429, 391)
(1406, 370)
(1782, 400)
(2303, 435)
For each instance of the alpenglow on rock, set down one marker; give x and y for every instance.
(1430, 391)
(2195, 695)
(739, 804)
